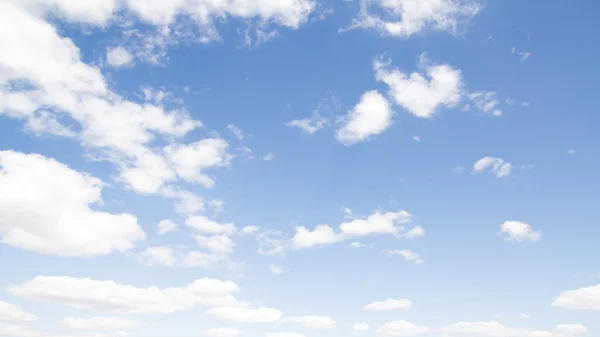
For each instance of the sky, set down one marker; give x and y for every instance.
(299, 168)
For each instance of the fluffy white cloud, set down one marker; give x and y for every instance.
(205, 225)
(360, 327)
(422, 95)
(579, 299)
(250, 230)
(498, 166)
(571, 329)
(403, 18)
(376, 223)
(416, 232)
(371, 116)
(275, 269)
(401, 328)
(390, 304)
(217, 244)
(187, 203)
(11, 312)
(50, 213)
(246, 315)
(322, 235)
(109, 296)
(407, 255)
(191, 160)
(222, 332)
(519, 231)
(309, 125)
(358, 245)
(157, 256)
(269, 157)
(283, 334)
(497, 329)
(98, 323)
(166, 226)
(312, 321)
(486, 102)
(118, 57)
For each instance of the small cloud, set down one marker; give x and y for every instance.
(119, 57)
(407, 255)
(247, 152)
(525, 316)
(250, 230)
(237, 131)
(416, 139)
(269, 157)
(275, 269)
(498, 166)
(360, 245)
(458, 170)
(571, 151)
(527, 167)
(416, 232)
(519, 231)
(524, 55)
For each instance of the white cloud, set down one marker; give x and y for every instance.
(322, 235)
(187, 203)
(205, 225)
(401, 328)
(422, 95)
(571, 151)
(416, 139)
(283, 334)
(109, 296)
(309, 125)
(250, 230)
(407, 255)
(50, 213)
(119, 57)
(358, 245)
(360, 327)
(237, 131)
(486, 102)
(571, 329)
(416, 232)
(191, 160)
(246, 315)
(98, 323)
(157, 256)
(498, 166)
(497, 329)
(270, 243)
(269, 157)
(370, 117)
(376, 223)
(403, 18)
(166, 226)
(525, 316)
(579, 299)
(312, 321)
(519, 231)
(275, 269)
(389, 304)
(222, 332)
(217, 244)
(11, 312)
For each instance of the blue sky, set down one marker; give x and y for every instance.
(298, 168)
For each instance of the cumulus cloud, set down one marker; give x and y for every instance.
(497, 166)
(51, 213)
(111, 297)
(246, 315)
(486, 102)
(416, 232)
(519, 231)
(283, 334)
(312, 321)
(321, 235)
(587, 298)
(157, 256)
(249, 230)
(206, 225)
(269, 157)
(370, 117)
(11, 312)
(360, 327)
(309, 125)
(118, 57)
(222, 332)
(218, 244)
(99, 323)
(401, 328)
(270, 243)
(403, 18)
(389, 304)
(407, 255)
(237, 131)
(423, 95)
(275, 269)
(497, 329)
(166, 226)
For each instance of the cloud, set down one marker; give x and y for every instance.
(98, 323)
(519, 231)
(119, 57)
(403, 18)
(571, 329)
(401, 328)
(50, 213)
(157, 256)
(358, 245)
(370, 117)
(416, 139)
(283, 334)
(166, 226)
(496, 329)
(416, 232)
(312, 321)
(269, 157)
(187, 203)
(275, 269)
(246, 315)
(321, 235)
(360, 327)
(309, 125)
(222, 332)
(218, 244)
(525, 316)
(250, 230)
(486, 102)
(579, 299)
(498, 166)
(111, 297)
(571, 151)
(237, 131)
(407, 255)
(389, 304)
(11, 312)
(423, 95)
(270, 243)
(205, 225)
(376, 223)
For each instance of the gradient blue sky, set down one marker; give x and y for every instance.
(495, 158)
